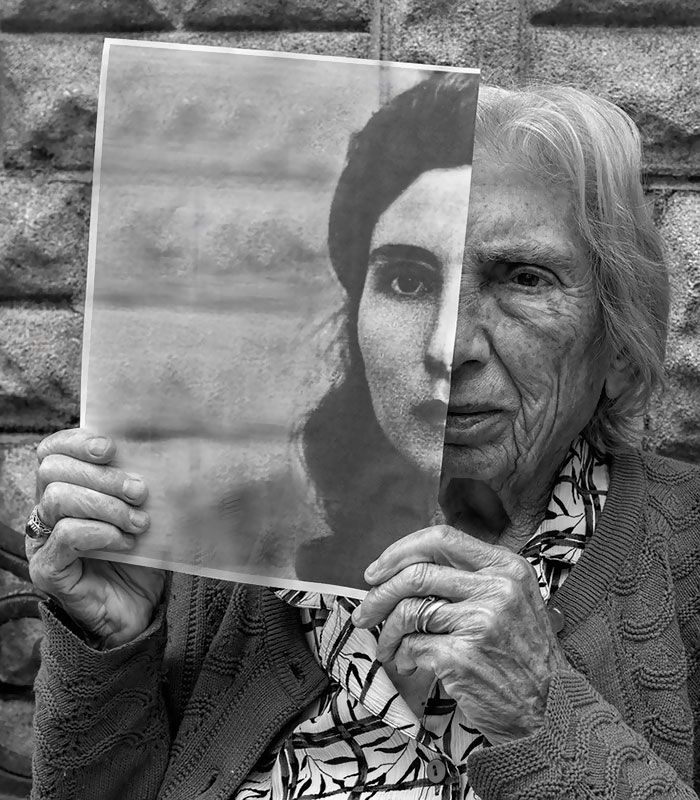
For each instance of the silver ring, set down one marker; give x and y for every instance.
(426, 610)
(35, 528)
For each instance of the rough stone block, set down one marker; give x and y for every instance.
(31, 16)
(40, 351)
(17, 484)
(614, 12)
(651, 74)
(674, 420)
(49, 100)
(466, 33)
(49, 86)
(352, 44)
(277, 14)
(43, 239)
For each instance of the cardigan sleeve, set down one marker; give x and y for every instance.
(584, 750)
(100, 726)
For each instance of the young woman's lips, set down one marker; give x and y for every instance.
(466, 424)
(433, 412)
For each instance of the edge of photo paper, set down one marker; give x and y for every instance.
(92, 239)
(173, 565)
(208, 48)
(226, 575)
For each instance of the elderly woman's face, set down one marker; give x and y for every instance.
(407, 312)
(528, 366)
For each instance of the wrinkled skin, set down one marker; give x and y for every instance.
(492, 646)
(529, 367)
(529, 340)
(92, 505)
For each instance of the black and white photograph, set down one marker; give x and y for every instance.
(349, 400)
(276, 254)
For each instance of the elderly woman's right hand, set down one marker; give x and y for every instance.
(92, 505)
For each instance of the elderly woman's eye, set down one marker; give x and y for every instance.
(529, 278)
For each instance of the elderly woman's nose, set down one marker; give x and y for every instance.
(472, 342)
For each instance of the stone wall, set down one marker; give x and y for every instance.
(642, 54)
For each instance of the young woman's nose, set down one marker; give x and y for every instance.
(440, 344)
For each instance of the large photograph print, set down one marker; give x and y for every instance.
(275, 255)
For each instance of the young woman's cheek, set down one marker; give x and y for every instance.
(392, 335)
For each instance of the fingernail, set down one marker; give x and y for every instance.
(133, 488)
(372, 571)
(98, 446)
(356, 617)
(139, 519)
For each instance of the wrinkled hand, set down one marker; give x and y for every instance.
(92, 505)
(492, 647)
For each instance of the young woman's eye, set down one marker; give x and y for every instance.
(409, 280)
(408, 285)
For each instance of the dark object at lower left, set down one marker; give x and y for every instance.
(20, 637)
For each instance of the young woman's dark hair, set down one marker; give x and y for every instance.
(363, 485)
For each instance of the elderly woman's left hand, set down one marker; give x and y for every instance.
(492, 646)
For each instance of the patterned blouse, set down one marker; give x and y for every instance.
(360, 740)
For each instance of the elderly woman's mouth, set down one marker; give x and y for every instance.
(467, 423)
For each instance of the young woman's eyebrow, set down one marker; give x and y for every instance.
(410, 252)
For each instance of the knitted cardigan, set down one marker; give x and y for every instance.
(187, 709)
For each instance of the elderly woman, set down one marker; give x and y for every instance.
(542, 641)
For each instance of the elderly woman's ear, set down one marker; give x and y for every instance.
(618, 377)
